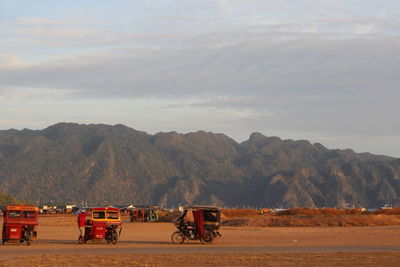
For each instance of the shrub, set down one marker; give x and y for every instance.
(394, 211)
(319, 212)
(240, 213)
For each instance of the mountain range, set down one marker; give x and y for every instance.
(105, 164)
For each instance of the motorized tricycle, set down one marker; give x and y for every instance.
(197, 223)
(20, 224)
(103, 224)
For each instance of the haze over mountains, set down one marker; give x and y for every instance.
(118, 165)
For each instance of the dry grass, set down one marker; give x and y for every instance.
(313, 217)
(319, 212)
(394, 211)
(388, 259)
(319, 221)
(240, 213)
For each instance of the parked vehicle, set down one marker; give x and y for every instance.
(20, 224)
(198, 223)
(143, 213)
(103, 224)
(387, 207)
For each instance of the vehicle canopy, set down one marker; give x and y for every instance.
(104, 214)
(21, 214)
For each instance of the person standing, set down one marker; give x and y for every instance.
(82, 223)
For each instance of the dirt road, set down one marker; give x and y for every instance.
(57, 236)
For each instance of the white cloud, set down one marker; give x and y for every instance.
(10, 61)
(38, 21)
(317, 69)
(255, 67)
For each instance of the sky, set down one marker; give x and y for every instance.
(323, 71)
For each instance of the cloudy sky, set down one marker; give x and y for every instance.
(324, 71)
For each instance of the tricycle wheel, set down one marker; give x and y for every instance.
(29, 238)
(114, 237)
(177, 237)
(3, 241)
(208, 237)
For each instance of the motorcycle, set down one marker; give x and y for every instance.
(204, 228)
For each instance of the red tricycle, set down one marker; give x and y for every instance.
(198, 223)
(102, 224)
(20, 224)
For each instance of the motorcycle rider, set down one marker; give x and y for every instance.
(189, 223)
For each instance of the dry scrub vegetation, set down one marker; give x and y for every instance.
(311, 217)
(302, 217)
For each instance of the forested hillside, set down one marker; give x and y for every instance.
(119, 165)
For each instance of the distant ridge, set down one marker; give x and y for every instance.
(116, 164)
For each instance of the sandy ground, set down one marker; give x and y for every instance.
(148, 244)
(216, 259)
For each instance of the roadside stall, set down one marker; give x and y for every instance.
(144, 213)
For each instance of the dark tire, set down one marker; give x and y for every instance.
(108, 237)
(4, 241)
(208, 237)
(29, 239)
(177, 238)
(114, 237)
